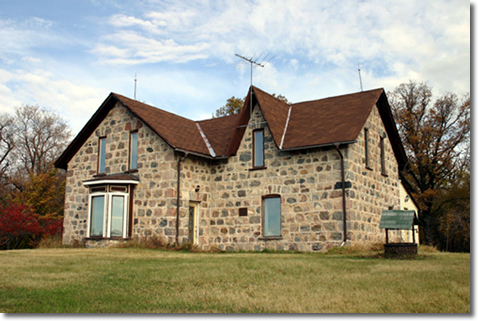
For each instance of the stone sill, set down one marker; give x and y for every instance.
(107, 238)
(99, 175)
(257, 168)
(270, 238)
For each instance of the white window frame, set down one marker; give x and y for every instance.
(90, 213)
(125, 212)
(265, 214)
(107, 213)
(133, 151)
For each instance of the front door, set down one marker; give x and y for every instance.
(193, 222)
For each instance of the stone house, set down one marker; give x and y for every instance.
(305, 176)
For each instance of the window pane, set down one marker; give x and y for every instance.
(117, 215)
(134, 151)
(258, 148)
(102, 152)
(272, 216)
(97, 215)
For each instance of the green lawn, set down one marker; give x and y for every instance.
(139, 280)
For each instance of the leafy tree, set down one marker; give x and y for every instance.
(436, 138)
(20, 226)
(44, 193)
(32, 191)
(453, 208)
(281, 98)
(233, 106)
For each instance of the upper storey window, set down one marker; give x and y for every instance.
(133, 151)
(258, 148)
(101, 155)
(383, 164)
(367, 155)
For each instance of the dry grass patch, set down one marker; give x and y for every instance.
(140, 280)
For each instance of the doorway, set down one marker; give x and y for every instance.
(193, 222)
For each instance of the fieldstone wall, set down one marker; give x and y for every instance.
(308, 181)
(311, 203)
(154, 198)
(371, 191)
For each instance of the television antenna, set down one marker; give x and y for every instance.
(135, 81)
(360, 77)
(254, 62)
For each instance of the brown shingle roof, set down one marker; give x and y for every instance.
(177, 131)
(274, 111)
(219, 132)
(311, 124)
(331, 120)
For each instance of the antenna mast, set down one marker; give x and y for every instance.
(252, 62)
(360, 77)
(135, 80)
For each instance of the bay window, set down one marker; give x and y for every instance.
(109, 215)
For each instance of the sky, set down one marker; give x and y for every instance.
(68, 55)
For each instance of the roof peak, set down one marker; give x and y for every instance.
(343, 95)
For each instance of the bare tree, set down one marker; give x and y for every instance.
(40, 135)
(6, 142)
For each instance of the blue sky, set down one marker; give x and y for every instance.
(68, 55)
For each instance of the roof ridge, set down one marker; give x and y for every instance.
(153, 107)
(215, 118)
(338, 96)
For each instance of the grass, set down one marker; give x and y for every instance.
(115, 280)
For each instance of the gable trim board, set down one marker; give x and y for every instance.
(290, 131)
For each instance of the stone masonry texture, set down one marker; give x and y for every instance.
(308, 181)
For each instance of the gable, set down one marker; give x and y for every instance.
(180, 133)
(328, 121)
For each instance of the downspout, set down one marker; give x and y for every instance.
(344, 203)
(177, 196)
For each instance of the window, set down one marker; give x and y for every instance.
(101, 155)
(108, 213)
(367, 158)
(382, 156)
(258, 148)
(271, 216)
(133, 151)
(97, 219)
(117, 215)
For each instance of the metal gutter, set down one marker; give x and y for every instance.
(196, 154)
(319, 145)
(344, 203)
(178, 196)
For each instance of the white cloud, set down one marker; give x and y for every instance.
(184, 52)
(76, 102)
